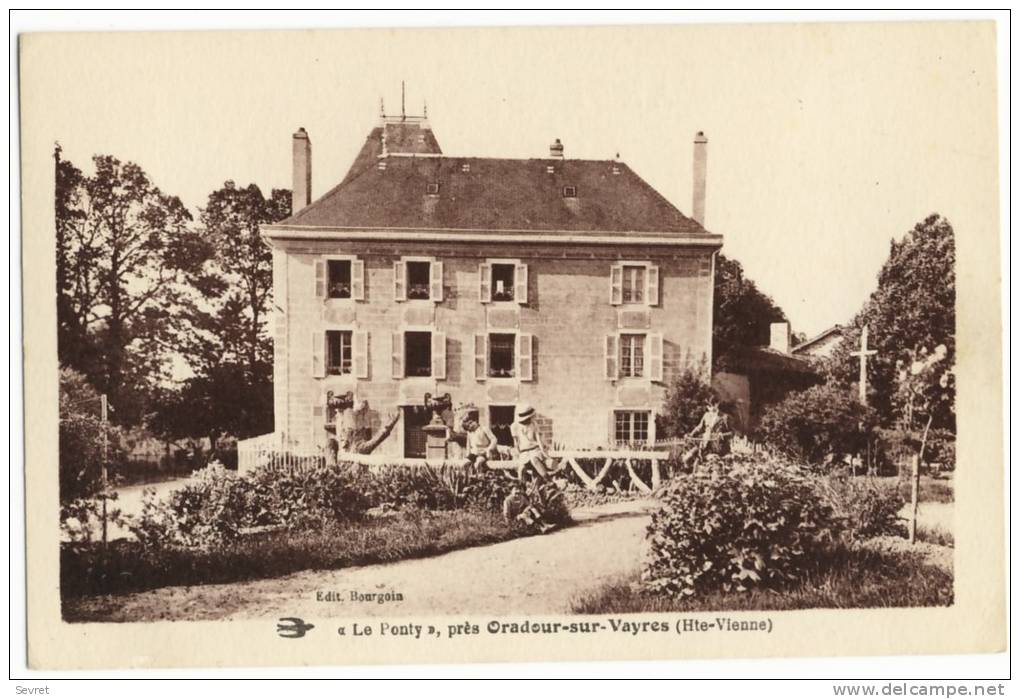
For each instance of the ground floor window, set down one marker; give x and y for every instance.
(501, 417)
(338, 352)
(417, 353)
(631, 426)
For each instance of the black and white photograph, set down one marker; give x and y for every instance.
(448, 339)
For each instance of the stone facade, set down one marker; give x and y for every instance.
(569, 311)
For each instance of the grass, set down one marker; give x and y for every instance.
(845, 578)
(127, 567)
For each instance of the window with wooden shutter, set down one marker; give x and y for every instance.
(652, 278)
(438, 355)
(358, 280)
(521, 278)
(320, 279)
(655, 357)
(397, 353)
(318, 354)
(481, 357)
(612, 357)
(485, 282)
(399, 281)
(436, 292)
(525, 369)
(616, 285)
(361, 355)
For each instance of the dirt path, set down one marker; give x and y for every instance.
(533, 575)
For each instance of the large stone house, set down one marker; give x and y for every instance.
(568, 284)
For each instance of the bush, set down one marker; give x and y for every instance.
(819, 425)
(863, 509)
(734, 526)
(685, 402)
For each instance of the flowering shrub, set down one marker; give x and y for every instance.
(734, 526)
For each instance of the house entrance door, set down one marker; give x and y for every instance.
(415, 419)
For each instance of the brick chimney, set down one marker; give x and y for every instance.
(779, 337)
(556, 149)
(301, 194)
(700, 169)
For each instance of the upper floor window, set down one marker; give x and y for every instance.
(634, 283)
(339, 277)
(418, 279)
(501, 354)
(418, 353)
(503, 280)
(504, 356)
(632, 356)
(339, 352)
(339, 274)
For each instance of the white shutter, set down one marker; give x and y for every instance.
(612, 357)
(616, 285)
(358, 280)
(652, 279)
(524, 357)
(521, 281)
(654, 345)
(438, 355)
(481, 357)
(436, 292)
(318, 354)
(320, 279)
(359, 362)
(399, 281)
(485, 282)
(397, 353)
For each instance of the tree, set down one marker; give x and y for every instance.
(81, 438)
(684, 404)
(742, 314)
(122, 249)
(924, 390)
(914, 307)
(223, 334)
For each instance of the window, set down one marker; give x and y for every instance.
(339, 272)
(501, 355)
(418, 280)
(503, 282)
(418, 354)
(501, 417)
(569, 192)
(339, 352)
(432, 188)
(633, 284)
(631, 426)
(632, 356)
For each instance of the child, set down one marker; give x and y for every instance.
(528, 443)
(481, 442)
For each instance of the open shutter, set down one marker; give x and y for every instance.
(398, 355)
(524, 357)
(320, 279)
(652, 278)
(399, 281)
(438, 355)
(655, 357)
(521, 281)
(358, 280)
(612, 357)
(360, 359)
(481, 357)
(616, 285)
(436, 292)
(485, 282)
(318, 354)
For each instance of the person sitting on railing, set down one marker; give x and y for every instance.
(528, 442)
(481, 442)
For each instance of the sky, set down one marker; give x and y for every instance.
(825, 141)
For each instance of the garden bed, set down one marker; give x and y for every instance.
(845, 578)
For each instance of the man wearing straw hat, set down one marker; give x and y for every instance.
(528, 442)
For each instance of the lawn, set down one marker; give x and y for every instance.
(845, 578)
(127, 567)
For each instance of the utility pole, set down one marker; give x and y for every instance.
(103, 420)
